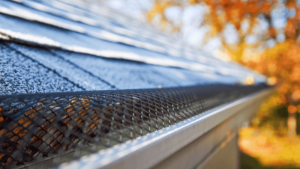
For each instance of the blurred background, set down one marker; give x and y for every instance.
(262, 35)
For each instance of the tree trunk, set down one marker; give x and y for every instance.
(292, 124)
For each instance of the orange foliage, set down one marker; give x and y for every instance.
(274, 151)
(292, 109)
(281, 62)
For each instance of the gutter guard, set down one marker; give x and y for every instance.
(149, 150)
(48, 129)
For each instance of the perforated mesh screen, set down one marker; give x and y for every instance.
(39, 126)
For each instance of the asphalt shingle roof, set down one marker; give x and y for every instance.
(54, 46)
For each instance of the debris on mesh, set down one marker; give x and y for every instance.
(39, 127)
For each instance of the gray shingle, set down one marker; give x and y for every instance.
(21, 74)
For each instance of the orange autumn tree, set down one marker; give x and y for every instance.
(279, 61)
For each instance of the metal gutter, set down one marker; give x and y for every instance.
(52, 128)
(149, 150)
